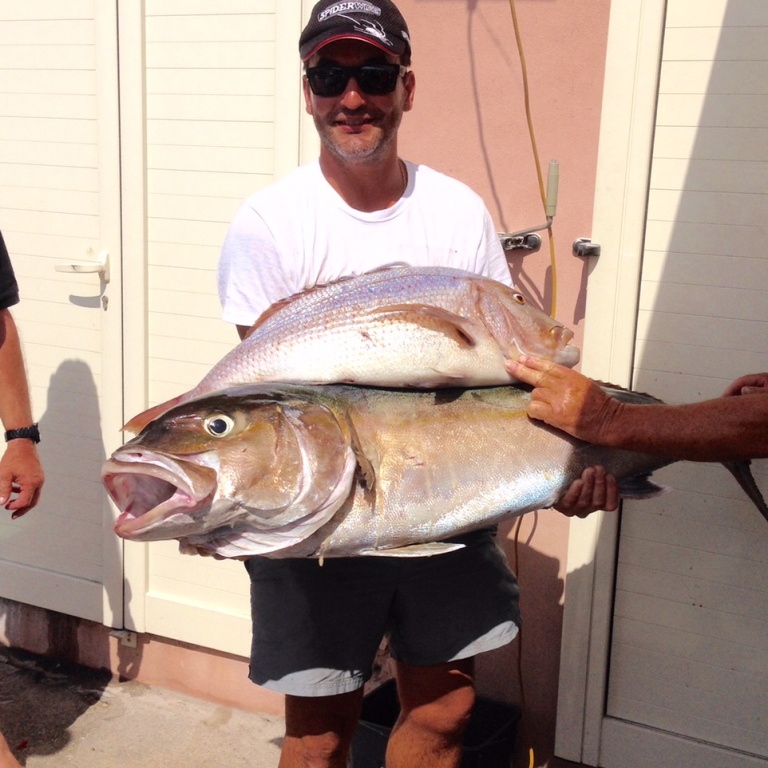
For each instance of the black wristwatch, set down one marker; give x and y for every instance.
(31, 433)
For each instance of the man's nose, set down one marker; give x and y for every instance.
(353, 97)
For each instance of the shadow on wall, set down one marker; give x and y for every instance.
(498, 672)
(692, 563)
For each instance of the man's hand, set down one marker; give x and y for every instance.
(751, 384)
(592, 491)
(564, 398)
(567, 400)
(20, 474)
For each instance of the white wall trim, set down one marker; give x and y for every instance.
(112, 368)
(133, 185)
(309, 148)
(629, 101)
(289, 104)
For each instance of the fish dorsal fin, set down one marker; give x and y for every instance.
(140, 420)
(627, 395)
(279, 305)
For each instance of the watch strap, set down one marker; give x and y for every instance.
(31, 433)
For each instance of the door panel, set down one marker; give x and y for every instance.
(222, 87)
(665, 616)
(59, 205)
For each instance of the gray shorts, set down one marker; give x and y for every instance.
(317, 628)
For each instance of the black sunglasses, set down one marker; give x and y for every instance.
(373, 79)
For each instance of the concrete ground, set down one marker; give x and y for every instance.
(72, 717)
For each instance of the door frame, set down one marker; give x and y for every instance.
(133, 191)
(633, 63)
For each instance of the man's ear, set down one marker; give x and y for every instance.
(307, 95)
(409, 80)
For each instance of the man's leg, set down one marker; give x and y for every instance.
(7, 760)
(319, 730)
(435, 704)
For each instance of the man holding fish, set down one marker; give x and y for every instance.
(316, 629)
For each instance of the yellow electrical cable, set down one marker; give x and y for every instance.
(543, 194)
(518, 526)
(534, 147)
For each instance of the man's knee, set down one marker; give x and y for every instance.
(444, 717)
(322, 750)
(319, 730)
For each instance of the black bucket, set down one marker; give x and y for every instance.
(488, 741)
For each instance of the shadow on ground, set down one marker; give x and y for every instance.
(74, 717)
(40, 699)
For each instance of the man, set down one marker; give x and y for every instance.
(316, 628)
(734, 426)
(20, 469)
(21, 476)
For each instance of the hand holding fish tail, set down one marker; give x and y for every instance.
(594, 490)
(565, 399)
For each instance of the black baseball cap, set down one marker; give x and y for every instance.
(378, 22)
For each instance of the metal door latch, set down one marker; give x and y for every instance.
(100, 265)
(585, 247)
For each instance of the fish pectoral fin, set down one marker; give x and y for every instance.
(366, 469)
(440, 320)
(363, 461)
(415, 550)
(640, 487)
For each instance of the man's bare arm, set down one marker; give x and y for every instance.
(722, 429)
(20, 469)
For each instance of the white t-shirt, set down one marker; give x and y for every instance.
(299, 232)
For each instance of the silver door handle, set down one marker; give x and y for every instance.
(101, 265)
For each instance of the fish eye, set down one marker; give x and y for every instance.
(519, 298)
(219, 425)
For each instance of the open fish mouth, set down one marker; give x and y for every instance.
(151, 497)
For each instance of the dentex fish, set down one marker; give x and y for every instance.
(337, 470)
(422, 327)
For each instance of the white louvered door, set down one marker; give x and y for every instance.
(665, 643)
(223, 112)
(60, 205)
(133, 130)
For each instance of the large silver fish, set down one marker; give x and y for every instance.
(295, 471)
(420, 327)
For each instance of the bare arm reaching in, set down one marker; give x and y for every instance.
(734, 426)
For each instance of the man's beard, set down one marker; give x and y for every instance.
(363, 151)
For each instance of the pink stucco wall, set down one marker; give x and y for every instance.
(469, 121)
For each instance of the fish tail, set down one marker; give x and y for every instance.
(743, 474)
